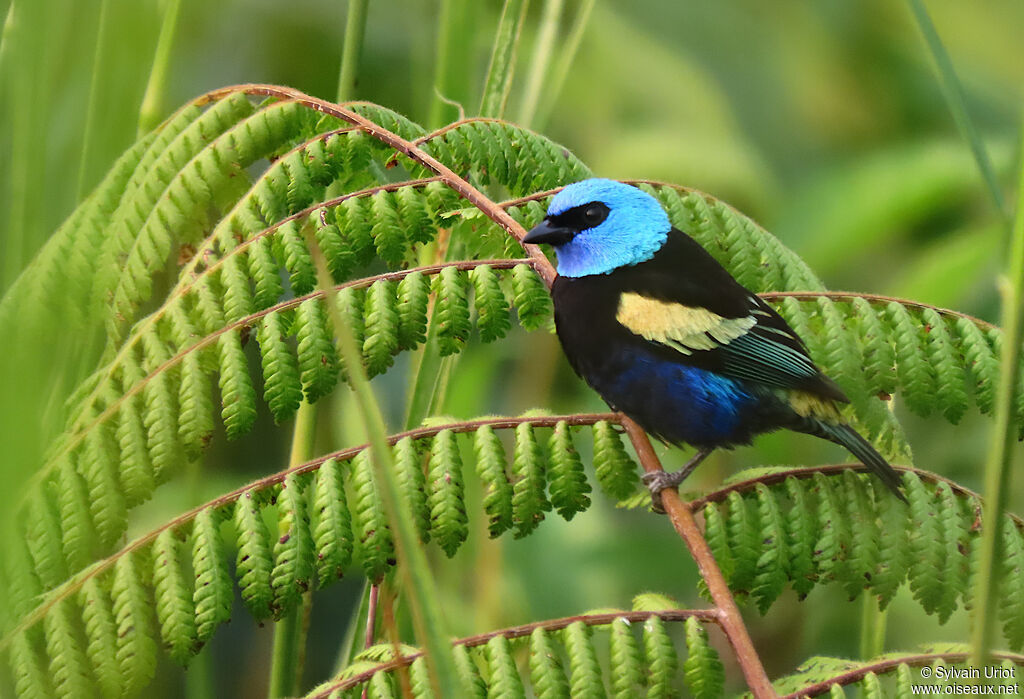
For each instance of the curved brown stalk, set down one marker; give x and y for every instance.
(728, 613)
(603, 619)
(889, 664)
(72, 585)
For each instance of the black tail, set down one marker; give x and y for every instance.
(846, 436)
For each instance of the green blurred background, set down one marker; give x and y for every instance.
(823, 121)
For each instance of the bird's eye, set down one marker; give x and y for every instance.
(595, 213)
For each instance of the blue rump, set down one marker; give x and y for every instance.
(678, 403)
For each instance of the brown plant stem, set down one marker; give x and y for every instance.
(728, 613)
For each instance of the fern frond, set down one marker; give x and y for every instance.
(549, 651)
(843, 527)
(329, 514)
(146, 428)
(888, 675)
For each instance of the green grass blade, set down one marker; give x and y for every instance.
(503, 59)
(417, 580)
(1003, 448)
(152, 110)
(953, 91)
(290, 632)
(535, 81)
(355, 30)
(560, 71)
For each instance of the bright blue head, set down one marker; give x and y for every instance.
(597, 226)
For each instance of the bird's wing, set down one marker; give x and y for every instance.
(756, 346)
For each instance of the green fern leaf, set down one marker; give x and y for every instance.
(533, 303)
(101, 632)
(375, 549)
(744, 540)
(413, 300)
(492, 309)
(419, 678)
(416, 219)
(173, 593)
(388, 234)
(195, 428)
(568, 484)
(332, 523)
(43, 535)
(546, 674)
(917, 378)
(504, 677)
(528, 500)
(340, 259)
(834, 527)
(106, 499)
(1011, 589)
(32, 675)
(237, 295)
(702, 669)
(717, 535)
(65, 644)
(893, 545)
(927, 545)
(413, 484)
(660, 655)
(294, 549)
(451, 311)
(133, 613)
(238, 397)
(954, 577)
(282, 387)
(468, 673)
(449, 524)
(381, 314)
(584, 670)
(355, 224)
(981, 362)
(318, 358)
(945, 361)
(773, 562)
(615, 471)
(491, 468)
(255, 562)
(137, 475)
(863, 552)
(626, 665)
(264, 270)
(213, 594)
(77, 533)
(879, 368)
(801, 529)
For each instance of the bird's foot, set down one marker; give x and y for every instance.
(657, 481)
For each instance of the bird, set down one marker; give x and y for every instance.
(662, 331)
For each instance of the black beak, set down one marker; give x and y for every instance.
(550, 233)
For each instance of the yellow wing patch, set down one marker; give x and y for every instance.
(809, 405)
(683, 328)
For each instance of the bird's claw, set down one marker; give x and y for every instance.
(657, 481)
